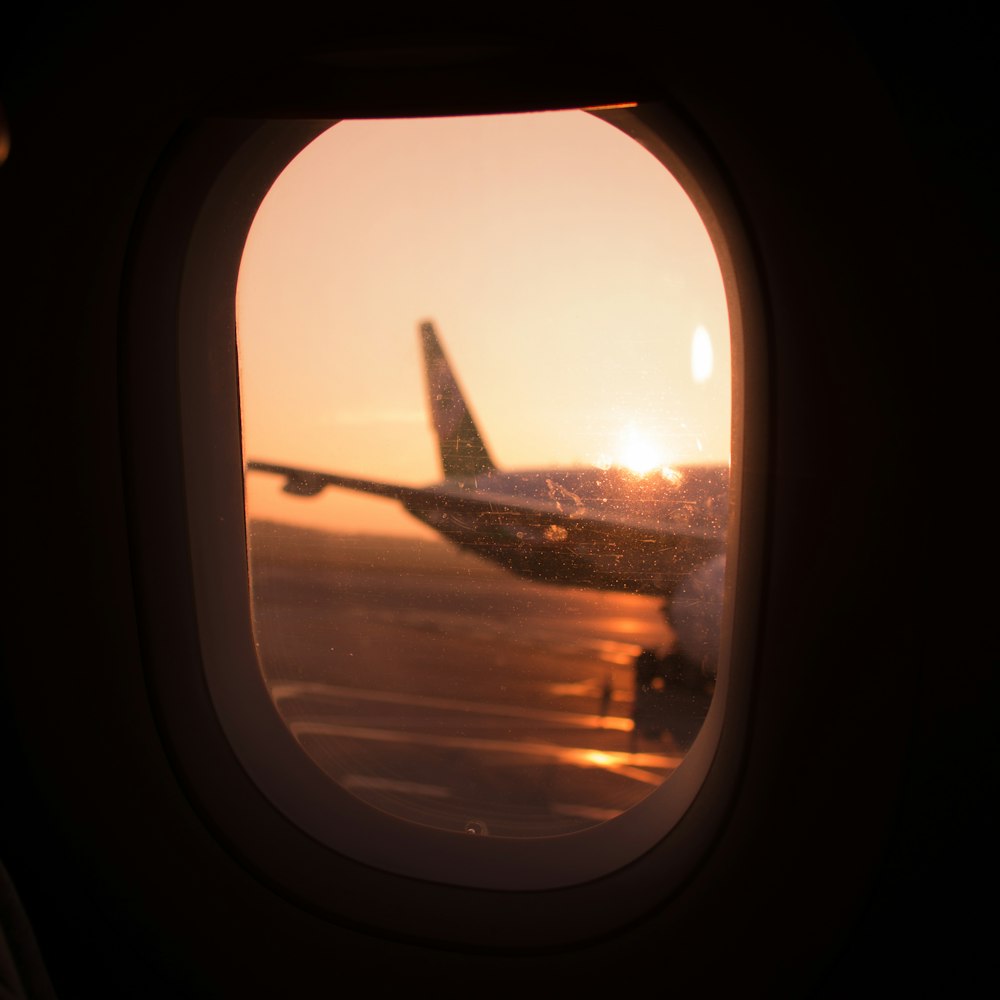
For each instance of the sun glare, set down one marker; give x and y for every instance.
(638, 452)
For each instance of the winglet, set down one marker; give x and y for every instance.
(463, 453)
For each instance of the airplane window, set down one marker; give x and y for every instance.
(486, 409)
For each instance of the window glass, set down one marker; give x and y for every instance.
(485, 394)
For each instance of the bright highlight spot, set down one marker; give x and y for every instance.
(638, 453)
(702, 359)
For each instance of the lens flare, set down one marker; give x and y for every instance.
(702, 358)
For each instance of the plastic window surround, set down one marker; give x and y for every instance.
(233, 165)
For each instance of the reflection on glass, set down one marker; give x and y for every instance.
(527, 646)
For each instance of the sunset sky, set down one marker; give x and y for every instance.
(570, 279)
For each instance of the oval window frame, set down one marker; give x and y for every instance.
(247, 774)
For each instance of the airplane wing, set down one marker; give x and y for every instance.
(310, 482)
(538, 538)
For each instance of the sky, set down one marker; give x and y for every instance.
(569, 276)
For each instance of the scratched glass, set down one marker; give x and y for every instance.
(485, 391)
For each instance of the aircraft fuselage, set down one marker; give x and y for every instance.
(607, 529)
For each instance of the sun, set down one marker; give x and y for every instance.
(638, 452)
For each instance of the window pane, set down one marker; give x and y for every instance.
(488, 360)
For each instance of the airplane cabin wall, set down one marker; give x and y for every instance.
(858, 819)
